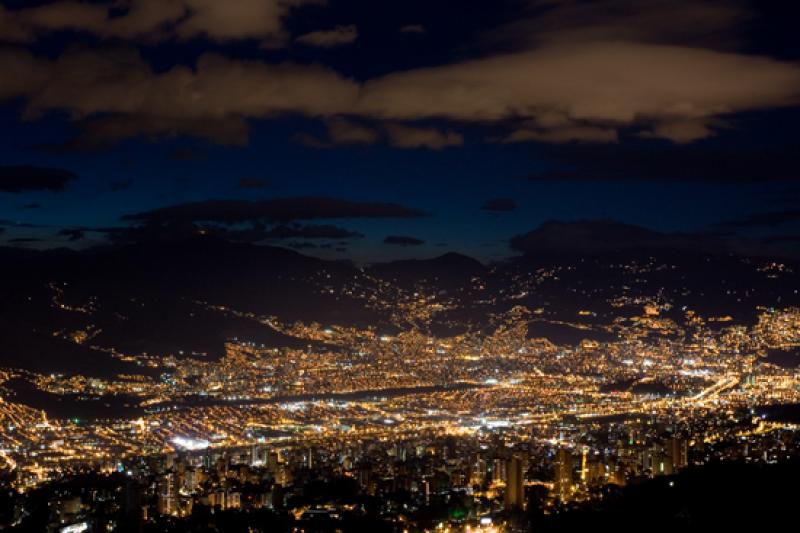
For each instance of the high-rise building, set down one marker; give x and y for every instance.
(564, 474)
(616, 473)
(400, 452)
(273, 462)
(167, 494)
(479, 471)
(515, 488)
(257, 455)
(657, 461)
(595, 473)
(308, 457)
(233, 499)
(584, 465)
(499, 470)
(277, 496)
(679, 450)
(191, 479)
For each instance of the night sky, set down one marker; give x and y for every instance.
(375, 130)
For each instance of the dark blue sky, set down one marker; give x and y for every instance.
(688, 160)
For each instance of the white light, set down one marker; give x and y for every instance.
(190, 444)
(75, 528)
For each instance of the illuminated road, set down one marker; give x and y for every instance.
(715, 389)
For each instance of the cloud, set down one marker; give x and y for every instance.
(412, 28)
(155, 20)
(242, 19)
(211, 101)
(258, 232)
(401, 240)
(103, 132)
(10, 29)
(25, 73)
(343, 131)
(178, 230)
(499, 205)
(16, 179)
(402, 136)
(604, 85)
(155, 232)
(305, 245)
(307, 139)
(299, 245)
(310, 231)
(705, 23)
(72, 234)
(564, 134)
(338, 36)
(243, 231)
(168, 231)
(274, 210)
(683, 131)
(577, 71)
(32, 206)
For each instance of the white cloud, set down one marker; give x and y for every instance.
(594, 84)
(338, 36)
(588, 76)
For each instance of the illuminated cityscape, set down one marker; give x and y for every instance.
(333, 266)
(494, 418)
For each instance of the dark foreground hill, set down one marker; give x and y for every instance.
(719, 497)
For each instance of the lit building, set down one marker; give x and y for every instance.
(515, 488)
(679, 451)
(564, 474)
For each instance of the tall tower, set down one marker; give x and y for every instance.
(515, 489)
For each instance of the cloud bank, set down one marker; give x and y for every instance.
(568, 72)
(16, 179)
